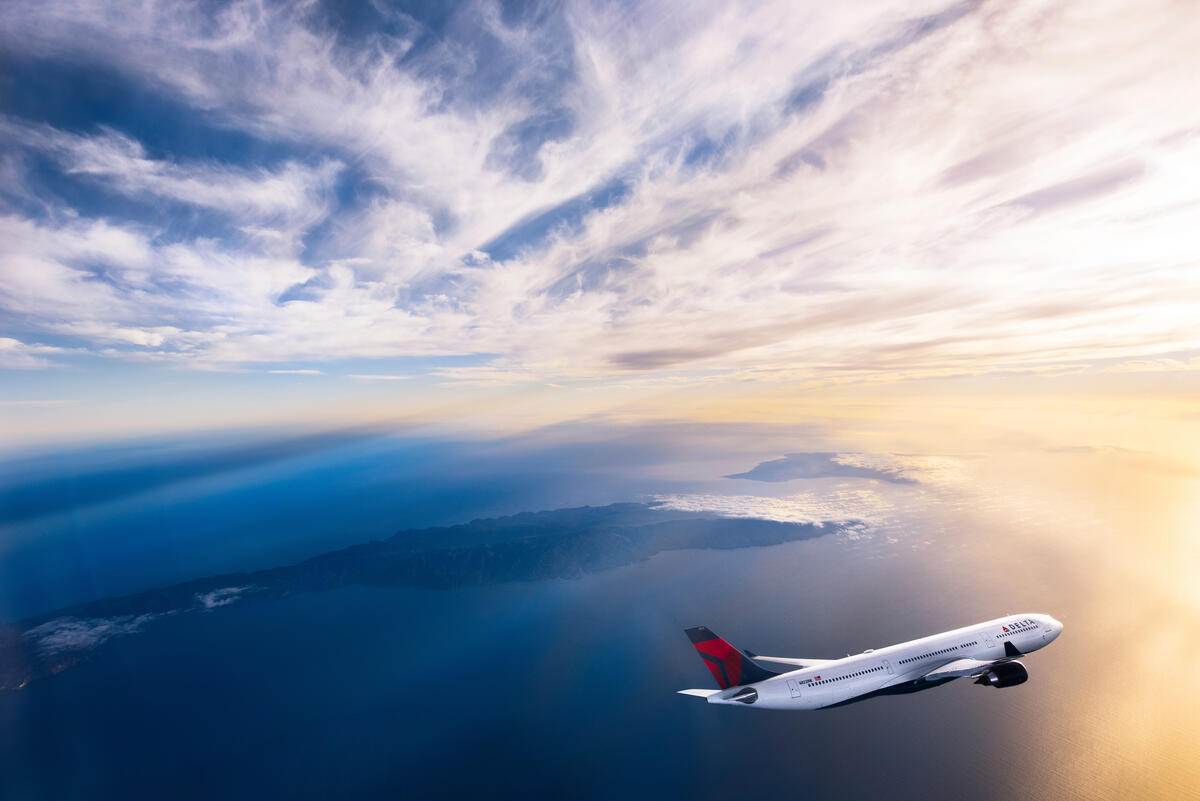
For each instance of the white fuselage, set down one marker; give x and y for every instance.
(842, 680)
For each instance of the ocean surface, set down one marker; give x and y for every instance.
(565, 685)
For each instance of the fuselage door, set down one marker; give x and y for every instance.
(888, 666)
(794, 687)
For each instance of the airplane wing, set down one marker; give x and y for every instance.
(961, 667)
(799, 662)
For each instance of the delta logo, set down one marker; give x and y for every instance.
(1020, 625)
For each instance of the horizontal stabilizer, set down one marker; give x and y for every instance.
(699, 693)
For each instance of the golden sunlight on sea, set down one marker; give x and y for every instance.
(1126, 548)
(1090, 504)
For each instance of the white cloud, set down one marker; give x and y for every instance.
(296, 372)
(290, 198)
(220, 597)
(1010, 188)
(940, 470)
(1163, 365)
(18, 355)
(147, 337)
(66, 634)
(840, 507)
(54, 272)
(378, 377)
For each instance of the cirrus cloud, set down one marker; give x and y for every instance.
(599, 190)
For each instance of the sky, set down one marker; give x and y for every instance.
(515, 214)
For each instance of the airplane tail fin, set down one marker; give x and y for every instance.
(729, 666)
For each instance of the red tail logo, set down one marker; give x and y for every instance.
(729, 666)
(723, 661)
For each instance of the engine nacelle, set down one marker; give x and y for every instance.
(1005, 674)
(745, 696)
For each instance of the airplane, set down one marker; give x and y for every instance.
(986, 652)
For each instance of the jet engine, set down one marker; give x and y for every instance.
(1004, 674)
(746, 696)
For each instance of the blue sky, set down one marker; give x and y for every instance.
(623, 198)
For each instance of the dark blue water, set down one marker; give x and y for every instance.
(552, 687)
(558, 687)
(182, 510)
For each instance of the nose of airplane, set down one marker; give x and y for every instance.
(1056, 627)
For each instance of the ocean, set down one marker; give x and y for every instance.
(565, 685)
